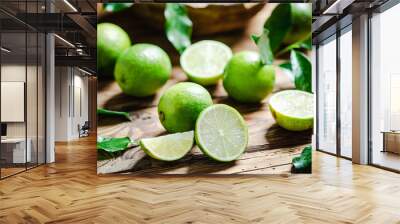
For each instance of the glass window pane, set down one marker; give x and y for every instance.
(314, 90)
(14, 153)
(23, 85)
(346, 94)
(385, 84)
(32, 97)
(327, 96)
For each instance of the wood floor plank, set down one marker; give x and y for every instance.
(70, 191)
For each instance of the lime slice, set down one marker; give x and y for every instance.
(221, 133)
(204, 61)
(168, 147)
(293, 109)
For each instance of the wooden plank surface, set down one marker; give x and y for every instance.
(270, 148)
(70, 191)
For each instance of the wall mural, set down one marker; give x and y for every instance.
(204, 88)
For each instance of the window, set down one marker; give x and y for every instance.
(385, 89)
(327, 96)
(346, 95)
(22, 76)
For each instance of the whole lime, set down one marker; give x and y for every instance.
(246, 79)
(112, 40)
(301, 17)
(181, 104)
(142, 69)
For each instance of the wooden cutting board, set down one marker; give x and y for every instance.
(270, 149)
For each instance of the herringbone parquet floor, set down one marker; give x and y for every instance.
(69, 191)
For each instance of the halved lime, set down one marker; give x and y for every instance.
(221, 133)
(204, 61)
(168, 147)
(293, 109)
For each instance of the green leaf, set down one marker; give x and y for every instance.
(304, 44)
(287, 68)
(111, 113)
(264, 47)
(301, 68)
(279, 25)
(255, 38)
(112, 145)
(289, 25)
(286, 65)
(303, 163)
(116, 7)
(178, 26)
(108, 148)
(103, 155)
(307, 43)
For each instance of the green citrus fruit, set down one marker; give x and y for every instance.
(168, 147)
(293, 109)
(301, 17)
(112, 40)
(246, 79)
(180, 106)
(204, 61)
(221, 133)
(142, 69)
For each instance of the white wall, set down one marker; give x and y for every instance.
(12, 73)
(62, 81)
(80, 101)
(33, 126)
(70, 84)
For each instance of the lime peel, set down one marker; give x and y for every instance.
(293, 109)
(168, 147)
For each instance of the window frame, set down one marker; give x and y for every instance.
(337, 35)
(26, 30)
(378, 10)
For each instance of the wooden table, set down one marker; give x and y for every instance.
(14, 150)
(391, 141)
(270, 148)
